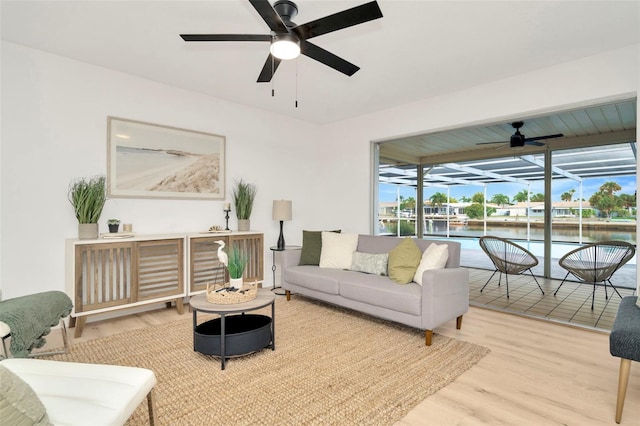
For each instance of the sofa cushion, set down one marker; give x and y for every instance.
(311, 247)
(315, 278)
(383, 292)
(434, 257)
(404, 260)
(337, 250)
(370, 263)
(19, 404)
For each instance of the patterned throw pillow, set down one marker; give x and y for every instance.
(19, 404)
(370, 263)
(404, 260)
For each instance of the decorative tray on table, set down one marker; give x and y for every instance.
(226, 295)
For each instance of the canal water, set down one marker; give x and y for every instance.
(536, 234)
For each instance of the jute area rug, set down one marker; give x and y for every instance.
(330, 367)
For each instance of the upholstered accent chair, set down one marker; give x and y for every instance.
(624, 342)
(44, 392)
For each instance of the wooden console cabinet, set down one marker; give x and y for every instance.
(205, 267)
(111, 274)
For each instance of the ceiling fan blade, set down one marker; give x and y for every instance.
(226, 37)
(540, 138)
(347, 18)
(490, 143)
(267, 72)
(327, 58)
(270, 16)
(534, 143)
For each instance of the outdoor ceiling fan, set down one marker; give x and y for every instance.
(518, 140)
(288, 39)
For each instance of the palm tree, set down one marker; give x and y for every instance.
(438, 199)
(500, 199)
(408, 203)
(478, 197)
(568, 196)
(521, 196)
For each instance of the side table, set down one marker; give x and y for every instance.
(238, 334)
(274, 249)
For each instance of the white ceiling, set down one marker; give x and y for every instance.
(419, 49)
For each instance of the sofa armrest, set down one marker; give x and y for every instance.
(445, 295)
(289, 258)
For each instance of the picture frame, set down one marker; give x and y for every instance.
(147, 160)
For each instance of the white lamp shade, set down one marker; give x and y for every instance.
(285, 46)
(282, 210)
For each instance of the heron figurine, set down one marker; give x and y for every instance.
(222, 256)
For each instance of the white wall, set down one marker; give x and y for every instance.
(54, 129)
(54, 112)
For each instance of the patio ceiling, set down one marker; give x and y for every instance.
(598, 141)
(576, 164)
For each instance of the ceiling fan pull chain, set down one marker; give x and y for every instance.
(296, 83)
(273, 92)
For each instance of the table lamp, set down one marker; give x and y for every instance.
(281, 212)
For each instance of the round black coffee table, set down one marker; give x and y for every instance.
(234, 332)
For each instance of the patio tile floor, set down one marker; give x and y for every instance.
(572, 304)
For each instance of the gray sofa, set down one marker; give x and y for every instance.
(443, 296)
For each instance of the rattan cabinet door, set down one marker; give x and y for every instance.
(159, 268)
(204, 265)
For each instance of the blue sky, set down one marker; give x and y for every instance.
(559, 186)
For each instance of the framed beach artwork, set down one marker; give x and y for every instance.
(148, 160)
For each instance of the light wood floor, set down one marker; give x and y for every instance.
(538, 373)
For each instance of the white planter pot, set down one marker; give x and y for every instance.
(236, 283)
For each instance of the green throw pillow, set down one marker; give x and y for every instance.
(312, 247)
(404, 260)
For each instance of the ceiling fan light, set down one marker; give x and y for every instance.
(285, 46)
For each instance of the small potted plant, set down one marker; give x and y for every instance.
(113, 224)
(87, 196)
(243, 196)
(237, 262)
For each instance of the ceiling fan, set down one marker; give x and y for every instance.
(288, 40)
(518, 140)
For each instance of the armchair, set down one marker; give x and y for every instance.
(508, 258)
(37, 391)
(597, 262)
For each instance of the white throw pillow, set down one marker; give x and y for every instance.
(434, 257)
(337, 250)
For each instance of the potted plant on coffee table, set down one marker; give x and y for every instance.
(244, 195)
(87, 195)
(237, 262)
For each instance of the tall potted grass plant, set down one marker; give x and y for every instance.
(237, 263)
(87, 196)
(244, 195)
